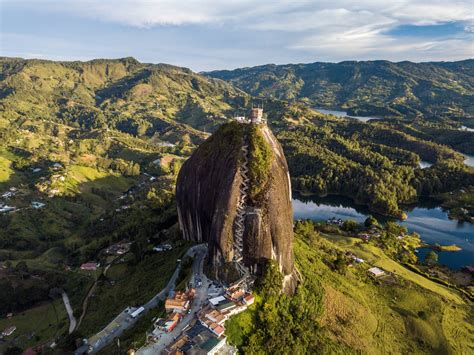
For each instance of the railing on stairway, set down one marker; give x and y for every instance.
(239, 227)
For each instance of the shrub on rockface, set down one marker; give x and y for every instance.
(260, 154)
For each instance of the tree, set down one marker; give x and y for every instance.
(340, 264)
(13, 350)
(371, 221)
(350, 225)
(22, 269)
(431, 258)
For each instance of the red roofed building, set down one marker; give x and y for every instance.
(219, 330)
(249, 299)
(89, 266)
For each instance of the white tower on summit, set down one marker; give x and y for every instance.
(256, 115)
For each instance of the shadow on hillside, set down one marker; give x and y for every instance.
(120, 87)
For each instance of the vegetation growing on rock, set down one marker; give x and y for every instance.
(260, 160)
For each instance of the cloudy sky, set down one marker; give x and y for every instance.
(218, 34)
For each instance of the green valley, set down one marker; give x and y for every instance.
(89, 157)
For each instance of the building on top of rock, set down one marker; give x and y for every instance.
(256, 115)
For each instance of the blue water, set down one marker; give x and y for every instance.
(425, 164)
(429, 221)
(344, 114)
(469, 160)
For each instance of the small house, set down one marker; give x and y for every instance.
(9, 331)
(90, 266)
(37, 205)
(249, 299)
(376, 272)
(217, 300)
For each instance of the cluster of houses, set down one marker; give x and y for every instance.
(7, 195)
(335, 221)
(198, 340)
(12, 192)
(206, 336)
(372, 232)
(374, 272)
(176, 307)
(221, 308)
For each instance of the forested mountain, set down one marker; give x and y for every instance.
(376, 88)
(125, 94)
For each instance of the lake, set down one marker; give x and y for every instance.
(464, 128)
(344, 114)
(469, 160)
(431, 222)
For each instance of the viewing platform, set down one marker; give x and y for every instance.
(256, 117)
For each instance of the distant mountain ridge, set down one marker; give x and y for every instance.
(115, 93)
(382, 88)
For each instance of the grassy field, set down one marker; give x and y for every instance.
(5, 170)
(129, 285)
(377, 257)
(36, 325)
(8, 176)
(402, 314)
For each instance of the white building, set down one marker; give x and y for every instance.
(256, 115)
(376, 272)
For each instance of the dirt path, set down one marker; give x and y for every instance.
(85, 303)
(72, 319)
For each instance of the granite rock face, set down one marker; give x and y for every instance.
(209, 189)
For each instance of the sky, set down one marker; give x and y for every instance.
(225, 34)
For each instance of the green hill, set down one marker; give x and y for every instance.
(342, 310)
(370, 88)
(134, 97)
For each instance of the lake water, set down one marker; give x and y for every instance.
(344, 114)
(464, 128)
(428, 220)
(469, 160)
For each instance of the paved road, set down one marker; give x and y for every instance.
(124, 320)
(200, 297)
(72, 319)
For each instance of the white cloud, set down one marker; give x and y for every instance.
(274, 13)
(324, 29)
